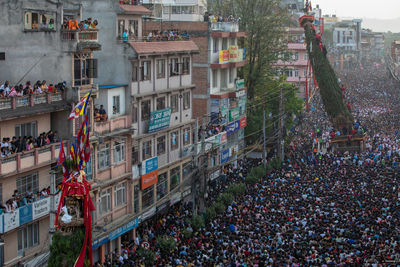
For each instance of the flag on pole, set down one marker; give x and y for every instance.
(61, 155)
(80, 108)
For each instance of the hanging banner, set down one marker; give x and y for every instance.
(232, 127)
(25, 214)
(243, 122)
(224, 156)
(233, 53)
(11, 220)
(149, 165)
(159, 120)
(239, 84)
(41, 208)
(223, 56)
(224, 138)
(234, 114)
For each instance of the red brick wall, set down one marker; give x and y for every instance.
(199, 108)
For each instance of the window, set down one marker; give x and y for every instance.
(121, 27)
(296, 73)
(146, 150)
(133, 28)
(136, 190)
(28, 183)
(134, 113)
(26, 129)
(135, 154)
(186, 136)
(186, 168)
(224, 43)
(232, 41)
(186, 100)
(214, 78)
(28, 236)
(174, 67)
(305, 56)
(296, 56)
(134, 71)
(216, 48)
(186, 65)
(224, 78)
(120, 195)
(160, 68)
(174, 103)
(85, 68)
(174, 140)
(160, 145)
(289, 73)
(145, 110)
(148, 197)
(175, 176)
(119, 151)
(162, 185)
(105, 198)
(146, 70)
(103, 156)
(160, 103)
(116, 105)
(2, 55)
(39, 21)
(231, 74)
(89, 169)
(338, 37)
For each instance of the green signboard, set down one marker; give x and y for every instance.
(239, 84)
(234, 114)
(159, 120)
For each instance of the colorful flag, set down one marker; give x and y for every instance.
(61, 155)
(80, 108)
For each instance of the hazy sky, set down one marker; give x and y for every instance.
(379, 9)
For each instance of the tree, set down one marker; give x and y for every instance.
(166, 244)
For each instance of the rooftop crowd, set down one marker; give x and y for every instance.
(40, 87)
(320, 209)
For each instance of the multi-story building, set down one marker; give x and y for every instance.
(36, 46)
(171, 10)
(219, 99)
(372, 46)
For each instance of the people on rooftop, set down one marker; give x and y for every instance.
(40, 87)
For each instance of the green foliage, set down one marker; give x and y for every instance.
(255, 175)
(225, 198)
(210, 214)
(166, 244)
(69, 165)
(236, 189)
(197, 222)
(148, 255)
(65, 250)
(219, 207)
(187, 234)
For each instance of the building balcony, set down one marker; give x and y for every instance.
(29, 160)
(113, 126)
(19, 106)
(84, 39)
(229, 58)
(226, 29)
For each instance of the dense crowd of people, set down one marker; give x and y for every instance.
(40, 87)
(26, 143)
(73, 24)
(322, 208)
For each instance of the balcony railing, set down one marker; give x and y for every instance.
(29, 159)
(30, 100)
(89, 35)
(225, 26)
(113, 124)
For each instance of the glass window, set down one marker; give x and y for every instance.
(161, 103)
(186, 136)
(134, 71)
(136, 190)
(28, 183)
(119, 151)
(162, 185)
(26, 129)
(174, 140)
(121, 27)
(224, 43)
(39, 21)
(145, 110)
(174, 103)
(174, 67)
(146, 70)
(133, 28)
(161, 68)
(82, 69)
(305, 56)
(186, 169)
(116, 105)
(160, 145)
(105, 198)
(103, 156)
(186, 65)
(175, 176)
(296, 73)
(296, 56)
(135, 154)
(231, 74)
(186, 100)
(120, 195)
(148, 197)
(89, 169)
(215, 42)
(28, 236)
(214, 78)
(146, 150)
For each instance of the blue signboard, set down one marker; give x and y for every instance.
(100, 242)
(233, 127)
(224, 156)
(150, 165)
(159, 120)
(123, 229)
(25, 214)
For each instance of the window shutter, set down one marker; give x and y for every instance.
(92, 66)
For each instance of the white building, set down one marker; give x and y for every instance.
(182, 10)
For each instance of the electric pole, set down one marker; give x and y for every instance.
(281, 141)
(264, 143)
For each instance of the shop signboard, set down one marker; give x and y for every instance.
(233, 53)
(25, 214)
(41, 208)
(239, 84)
(209, 143)
(224, 138)
(99, 242)
(233, 127)
(148, 214)
(223, 56)
(11, 220)
(123, 229)
(234, 114)
(159, 120)
(224, 156)
(149, 165)
(149, 179)
(240, 55)
(243, 122)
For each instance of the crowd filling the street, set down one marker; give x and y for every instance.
(321, 208)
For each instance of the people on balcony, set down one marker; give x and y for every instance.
(100, 114)
(170, 35)
(73, 24)
(19, 200)
(6, 90)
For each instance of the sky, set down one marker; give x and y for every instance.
(378, 15)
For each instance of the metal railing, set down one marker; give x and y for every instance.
(80, 35)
